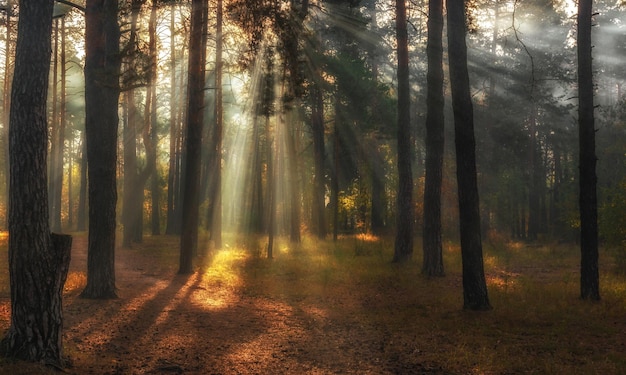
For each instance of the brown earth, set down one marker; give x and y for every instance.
(210, 323)
(334, 309)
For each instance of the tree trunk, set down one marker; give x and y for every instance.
(319, 183)
(433, 257)
(294, 184)
(132, 193)
(193, 140)
(588, 200)
(271, 190)
(474, 285)
(403, 249)
(55, 181)
(334, 177)
(216, 217)
(173, 178)
(81, 211)
(38, 260)
(102, 90)
(6, 105)
(154, 134)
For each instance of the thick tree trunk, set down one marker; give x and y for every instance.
(589, 274)
(433, 257)
(474, 285)
(102, 90)
(38, 260)
(193, 140)
(403, 249)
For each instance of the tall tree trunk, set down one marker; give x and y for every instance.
(55, 181)
(63, 124)
(216, 219)
(193, 139)
(38, 260)
(81, 210)
(132, 198)
(256, 223)
(293, 180)
(588, 200)
(474, 285)
(534, 177)
(154, 134)
(6, 105)
(102, 91)
(271, 190)
(173, 177)
(132, 193)
(319, 184)
(334, 180)
(433, 257)
(403, 249)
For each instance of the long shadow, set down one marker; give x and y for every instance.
(158, 327)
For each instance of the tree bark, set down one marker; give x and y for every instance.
(474, 285)
(403, 249)
(38, 260)
(193, 140)
(102, 90)
(433, 257)
(588, 200)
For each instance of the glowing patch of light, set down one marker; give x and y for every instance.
(220, 280)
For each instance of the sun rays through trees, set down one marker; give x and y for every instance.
(293, 141)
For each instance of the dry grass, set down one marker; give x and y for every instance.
(374, 316)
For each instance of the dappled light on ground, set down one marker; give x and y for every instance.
(220, 279)
(326, 307)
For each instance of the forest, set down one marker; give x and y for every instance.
(313, 186)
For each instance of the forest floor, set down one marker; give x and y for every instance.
(335, 308)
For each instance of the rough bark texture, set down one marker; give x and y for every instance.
(404, 236)
(193, 141)
(474, 285)
(102, 90)
(433, 258)
(38, 260)
(589, 278)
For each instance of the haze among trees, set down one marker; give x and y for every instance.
(440, 140)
